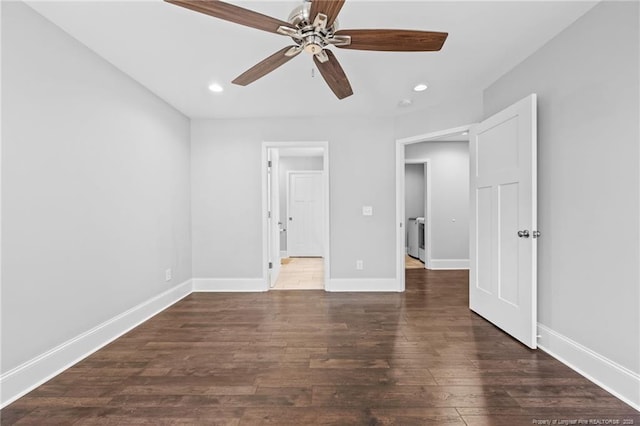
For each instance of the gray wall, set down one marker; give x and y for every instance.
(454, 113)
(588, 179)
(226, 193)
(414, 187)
(95, 189)
(449, 163)
(288, 164)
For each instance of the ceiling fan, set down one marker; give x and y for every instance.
(313, 27)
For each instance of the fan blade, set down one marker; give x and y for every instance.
(229, 12)
(393, 40)
(334, 75)
(266, 66)
(331, 8)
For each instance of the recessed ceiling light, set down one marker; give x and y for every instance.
(420, 87)
(216, 88)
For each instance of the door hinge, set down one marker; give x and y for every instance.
(270, 265)
(269, 215)
(269, 163)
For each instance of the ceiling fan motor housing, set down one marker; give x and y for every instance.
(312, 35)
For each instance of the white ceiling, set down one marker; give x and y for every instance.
(177, 53)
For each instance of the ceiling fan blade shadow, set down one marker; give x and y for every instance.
(393, 40)
(331, 8)
(232, 13)
(334, 75)
(265, 66)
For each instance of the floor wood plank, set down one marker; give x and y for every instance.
(310, 357)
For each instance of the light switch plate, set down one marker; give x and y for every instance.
(367, 211)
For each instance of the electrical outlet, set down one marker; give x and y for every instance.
(167, 275)
(367, 210)
(359, 265)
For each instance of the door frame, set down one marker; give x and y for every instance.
(400, 195)
(326, 240)
(427, 208)
(273, 228)
(300, 172)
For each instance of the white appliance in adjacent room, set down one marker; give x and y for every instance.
(412, 238)
(415, 238)
(421, 254)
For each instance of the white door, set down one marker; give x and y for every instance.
(304, 217)
(502, 275)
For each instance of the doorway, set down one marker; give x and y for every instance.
(418, 217)
(296, 202)
(401, 160)
(437, 202)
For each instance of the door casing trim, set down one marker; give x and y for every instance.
(326, 241)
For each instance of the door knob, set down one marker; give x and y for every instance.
(523, 234)
(290, 218)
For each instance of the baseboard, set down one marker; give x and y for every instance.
(363, 284)
(26, 377)
(230, 285)
(448, 264)
(612, 377)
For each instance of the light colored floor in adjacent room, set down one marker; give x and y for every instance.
(411, 263)
(307, 273)
(301, 273)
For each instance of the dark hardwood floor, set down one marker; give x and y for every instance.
(310, 357)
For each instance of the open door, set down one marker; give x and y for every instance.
(273, 215)
(503, 234)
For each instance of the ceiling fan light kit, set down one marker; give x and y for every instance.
(313, 27)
